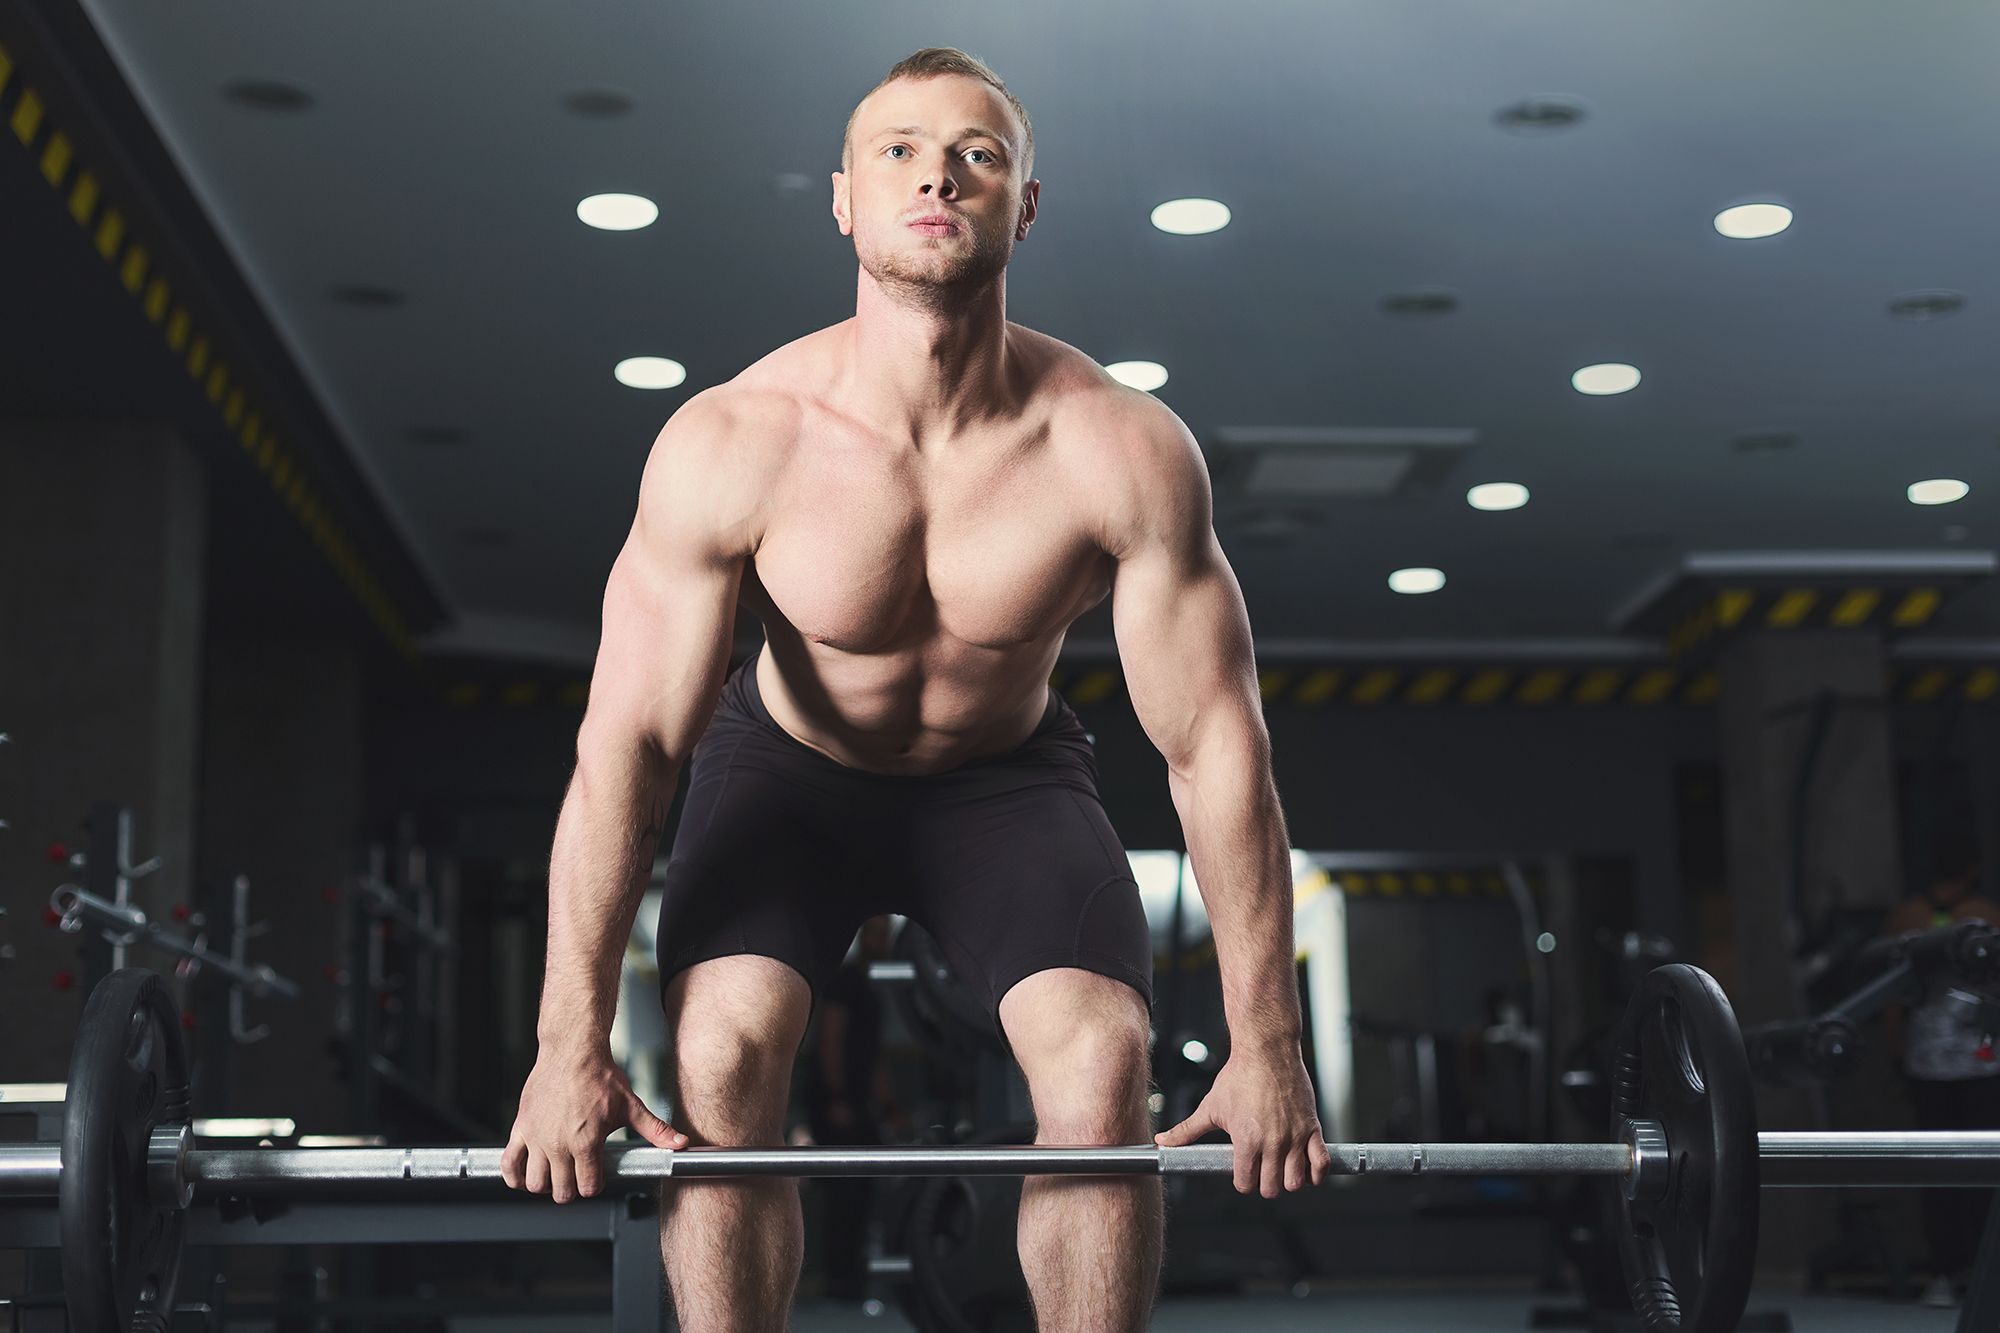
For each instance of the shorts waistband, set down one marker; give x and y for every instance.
(741, 690)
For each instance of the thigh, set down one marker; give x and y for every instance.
(760, 866)
(1027, 877)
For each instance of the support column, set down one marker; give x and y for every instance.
(102, 528)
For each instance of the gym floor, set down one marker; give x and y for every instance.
(1498, 1310)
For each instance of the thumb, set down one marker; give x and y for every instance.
(651, 1128)
(1188, 1130)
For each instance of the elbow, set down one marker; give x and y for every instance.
(1225, 745)
(607, 744)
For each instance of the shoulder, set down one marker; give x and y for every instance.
(1141, 459)
(714, 465)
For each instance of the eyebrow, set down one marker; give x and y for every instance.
(969, 132)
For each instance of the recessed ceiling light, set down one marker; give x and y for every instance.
(1497, 495)
(1747, 222)
(1766, 442)
(364, 294)
(1606, 378)
(1429, 302)
(650, 372)
(1540, 115)
(618, 212)
(1926, 305)
(1191, 217)
(1415, 581)
(598, 102)
(1144, 375)
(1938, 491)
(268, 95)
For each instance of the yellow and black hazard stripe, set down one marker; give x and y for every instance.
(1947, 684)
(1361, 687)
(1877, 606)
(112, 228)
(1439, 882)
(1367, 686)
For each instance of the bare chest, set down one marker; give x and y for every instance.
(872, 551)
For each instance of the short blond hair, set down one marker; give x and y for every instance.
(929, 63)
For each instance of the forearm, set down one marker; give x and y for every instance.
(1236, 838)
(606, 837)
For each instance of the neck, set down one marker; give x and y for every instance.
(927, 361)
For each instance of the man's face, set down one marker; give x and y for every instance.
(946, 145)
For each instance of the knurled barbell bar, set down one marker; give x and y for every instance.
(1686, 1153)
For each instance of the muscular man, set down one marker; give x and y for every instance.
(916, 503)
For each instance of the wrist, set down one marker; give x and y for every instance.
(572, 1045)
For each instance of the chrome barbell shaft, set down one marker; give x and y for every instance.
(1858, 1158)
(278, 1170)
(1879, 1157)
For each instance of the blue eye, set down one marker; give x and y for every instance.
(893, 147)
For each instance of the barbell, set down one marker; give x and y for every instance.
(1685, 1155)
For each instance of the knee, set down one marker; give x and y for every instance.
(732, 1083)
(1089, 1084)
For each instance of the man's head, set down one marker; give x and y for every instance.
(940, 135)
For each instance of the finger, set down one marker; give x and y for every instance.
(1188, 1130)
(651, 1128)
(513, 1158)
(1297, 1169)
(538, 1171)
(1271, 1170)
(562, 1176)
(1322, 1159)
(589, 1171)
(1245, 1162)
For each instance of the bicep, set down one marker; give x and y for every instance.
(669, 608)
(1177, 611)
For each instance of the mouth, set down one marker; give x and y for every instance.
(933, 227)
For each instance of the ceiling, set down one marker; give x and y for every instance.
(1358, 147)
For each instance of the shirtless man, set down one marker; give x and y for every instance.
(917, 503)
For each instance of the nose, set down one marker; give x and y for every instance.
(937, 179)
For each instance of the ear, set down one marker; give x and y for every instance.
(1031, 196)
(840, 204)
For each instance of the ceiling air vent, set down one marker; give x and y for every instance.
(1335, 462)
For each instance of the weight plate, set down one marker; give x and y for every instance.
(120, 1252)
(1690, 1252)
(965, 1262)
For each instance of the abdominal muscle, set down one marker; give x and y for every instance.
(905, 713)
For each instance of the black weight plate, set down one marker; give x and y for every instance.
(1690, 1254)
(961, 1238)
(128, 1073)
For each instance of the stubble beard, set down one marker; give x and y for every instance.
(937, 280)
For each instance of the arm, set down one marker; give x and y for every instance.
(1184, 640)
(669, 610)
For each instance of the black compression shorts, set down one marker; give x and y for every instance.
(1008, 861)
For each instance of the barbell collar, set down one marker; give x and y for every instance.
(1652, 1161)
